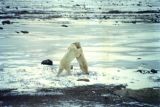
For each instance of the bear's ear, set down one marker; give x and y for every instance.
(77, 44)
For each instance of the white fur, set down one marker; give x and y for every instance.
(82, 62)
(69, 56)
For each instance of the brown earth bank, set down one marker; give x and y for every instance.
(92, 95)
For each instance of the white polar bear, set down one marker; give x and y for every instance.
(74, 51)
(69, 56)
(81, 59)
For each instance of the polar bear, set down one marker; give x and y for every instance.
(74, 51)
(69, 56)
(81, 59)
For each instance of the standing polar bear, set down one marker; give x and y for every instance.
(74, 51)
(81, 59)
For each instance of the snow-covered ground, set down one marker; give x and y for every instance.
(114, 52)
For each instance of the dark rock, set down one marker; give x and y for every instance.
(134, 22)
(64, 25)
(141, 71)
(7, 7)
(47, 62)
(139, 4)
(139, 58)
(153, 71)
(105, 17)
(149, 5)
(1, 28)
(114, 11)
(25, 32)
(77, 5)
(88, 17)
(86, 80)
(6, 22)
(23, 12)
(17, 32)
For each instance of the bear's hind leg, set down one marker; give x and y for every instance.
(84, 68)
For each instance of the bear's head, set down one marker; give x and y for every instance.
(77, 44)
